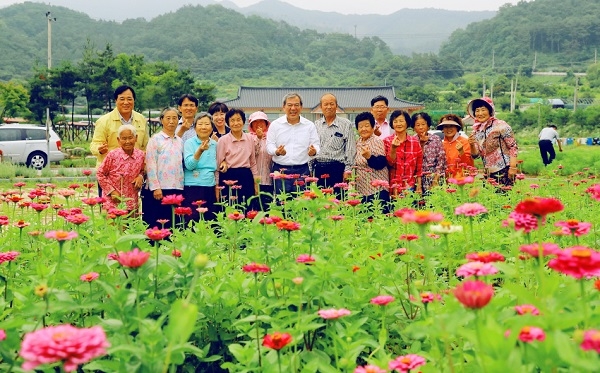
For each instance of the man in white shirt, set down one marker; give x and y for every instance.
(379, 109)
(547, 137)
(292, 140)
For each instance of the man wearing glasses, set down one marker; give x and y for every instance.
(379, 109)
(292, 140)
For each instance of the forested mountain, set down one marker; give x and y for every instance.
(547, 33)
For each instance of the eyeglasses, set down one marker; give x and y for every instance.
(379, 107)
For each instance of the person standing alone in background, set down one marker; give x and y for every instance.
(546, 143)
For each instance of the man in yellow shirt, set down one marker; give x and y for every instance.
(105, 131)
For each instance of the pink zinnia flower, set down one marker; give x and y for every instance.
(534, 186)
(422, 217)
(461, 180)
(524, 222)
(236, 215)
(64, 343)
(408, 237)
(474, 294)
(133, 259)
(311, 179)
(577, 261)
(39, 206)
(428, 297)
(305, 258)
(574, 227)
(369, 369)
(230, 182)
(531, 333)
(77, 219)
(527, 309)
(87, 172)
(61, 235)
(9, 256)
(485, 257)
(173, 199)
(2, 335)
(406, 363)
(401, 251)
(470, 209)
(548, 248)
(591, 340)
(255, 268)
(403, 211)
(382, 300)
(594, 191)
(89, 277)
(332, 313)
(156, 234)
(380, 183)
(337, 217)
(476, 269)
(22, 224)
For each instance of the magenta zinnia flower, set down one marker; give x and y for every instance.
(305, 258)
(382, 300)
(548, 248)
(524, 222)
(577, 261)
(9, 256)
(574, 227)
(173, 199)
(594, 191)
(591, 340)
(332, 313)
(531, 333)
(133, 259)
(407, 363)
(527, 309)
(255, 268)
(61, 235)
(236, 215)
(64, 343)
(470, 209)
(476, 269)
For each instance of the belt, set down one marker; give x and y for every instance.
(327, 162)
(279, 165)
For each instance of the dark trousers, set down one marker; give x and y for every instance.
(265, 198)
(329, 173)
(193, 193)
(153, 209)
(289, 185)
(239, 193)
(547, 151)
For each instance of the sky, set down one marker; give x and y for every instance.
(341, 6)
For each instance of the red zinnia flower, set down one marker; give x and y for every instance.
(539, 206)
(531, 333)
(255, 268)
(277, 340)
(287, 225)
(251, 214)
(474, 294)
(183, 211)
(591, 340)
(485, 257)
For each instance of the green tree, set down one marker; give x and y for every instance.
(13, 100)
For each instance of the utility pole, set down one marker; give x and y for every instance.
(48, 121)
(575, 95)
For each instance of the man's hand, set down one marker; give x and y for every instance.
(377, 130)
(103, 149)
(280, 150)
(312, 151)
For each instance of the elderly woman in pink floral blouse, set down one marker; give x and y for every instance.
(121, 173)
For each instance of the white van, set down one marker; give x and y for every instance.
(26, 144)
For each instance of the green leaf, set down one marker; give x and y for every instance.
(182, 318)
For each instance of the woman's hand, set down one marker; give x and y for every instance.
(223, 167)
(138, 182)
(157, 194)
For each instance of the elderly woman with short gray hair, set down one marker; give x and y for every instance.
(121, 173)
(164, 169)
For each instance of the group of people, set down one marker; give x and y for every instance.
(207, 157)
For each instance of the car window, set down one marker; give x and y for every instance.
(35, 134)
(10, 134)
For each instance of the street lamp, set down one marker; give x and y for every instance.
(48, 122)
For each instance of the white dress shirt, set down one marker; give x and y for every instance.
(296, 139)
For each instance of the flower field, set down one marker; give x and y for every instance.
(476, 280)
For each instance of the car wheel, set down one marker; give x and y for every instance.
(36, 160)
